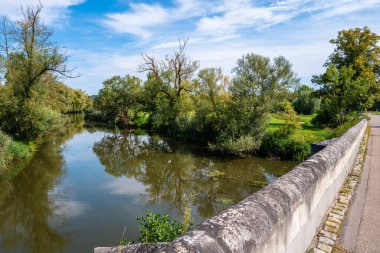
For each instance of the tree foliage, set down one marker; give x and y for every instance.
(118, 96)
(258, 85)
(351, 82)
(29, 53)
(169, 83)
(32, 98)
(306, 102)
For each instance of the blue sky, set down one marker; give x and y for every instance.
(106, 37)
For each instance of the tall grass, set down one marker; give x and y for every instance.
(11, 150)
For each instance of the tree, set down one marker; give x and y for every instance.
(118, 96)
(343, 95)
(359, 48)
(306, 102)
(168, 80)
(351, 82)
(29, 53)
(258, 85)
(212, 84)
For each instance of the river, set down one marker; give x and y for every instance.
(86, 185)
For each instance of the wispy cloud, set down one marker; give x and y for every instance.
(220, 31)
(138, 20)
(53, 11)
(221, 18)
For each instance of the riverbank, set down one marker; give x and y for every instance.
(12, 151)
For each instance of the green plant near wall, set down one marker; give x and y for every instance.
(156, 227)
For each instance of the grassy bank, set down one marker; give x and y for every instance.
(12, 151)
(307, 129)
(291, 143)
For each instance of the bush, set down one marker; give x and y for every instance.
(306, 103)
(283, 144)
(41, 120)
(11, 150)
(28, 120)
(4, 145)
(155, 227)
(241, 146)
(141, 119)
(342, 129)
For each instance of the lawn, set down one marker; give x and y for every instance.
(307, 130)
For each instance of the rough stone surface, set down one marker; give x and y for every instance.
(281, 217)
(328, 234)
(326, 240)
(318, 146)
(324, 247)
(331, 229)
(316, 250)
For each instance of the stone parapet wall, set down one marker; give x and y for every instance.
(282, 217)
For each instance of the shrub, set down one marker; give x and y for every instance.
(155, 227)
(343, 128)
(243, 145)
(141, 119)
(28, 120)
(306, 103)
(283, 144)
(4, 144)
(11, 150)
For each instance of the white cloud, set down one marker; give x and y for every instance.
(125, 186)
(95, 67)
(348, 7)
(221, 31)
(138, 20)
(142, 18)
(53, 11)
(64, 209)
(221, 18)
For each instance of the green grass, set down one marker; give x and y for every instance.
(307, 130)
(11, 150)
(374, 112)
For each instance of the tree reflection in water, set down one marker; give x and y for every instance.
(173, 172)
(25, 206)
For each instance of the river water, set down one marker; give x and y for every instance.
(86, 185)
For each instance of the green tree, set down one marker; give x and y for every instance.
(306, 102)
(28, 55)
(168, 82)
(118, 96)
(359, 49)
(212, 85)
(343, 96)
(352, 79)
(258, 85)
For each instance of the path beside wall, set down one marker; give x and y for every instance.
(361, 233)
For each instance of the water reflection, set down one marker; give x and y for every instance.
(171, 173)
(26, 207)
(85, 184)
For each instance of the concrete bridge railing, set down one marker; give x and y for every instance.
(282, 217)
